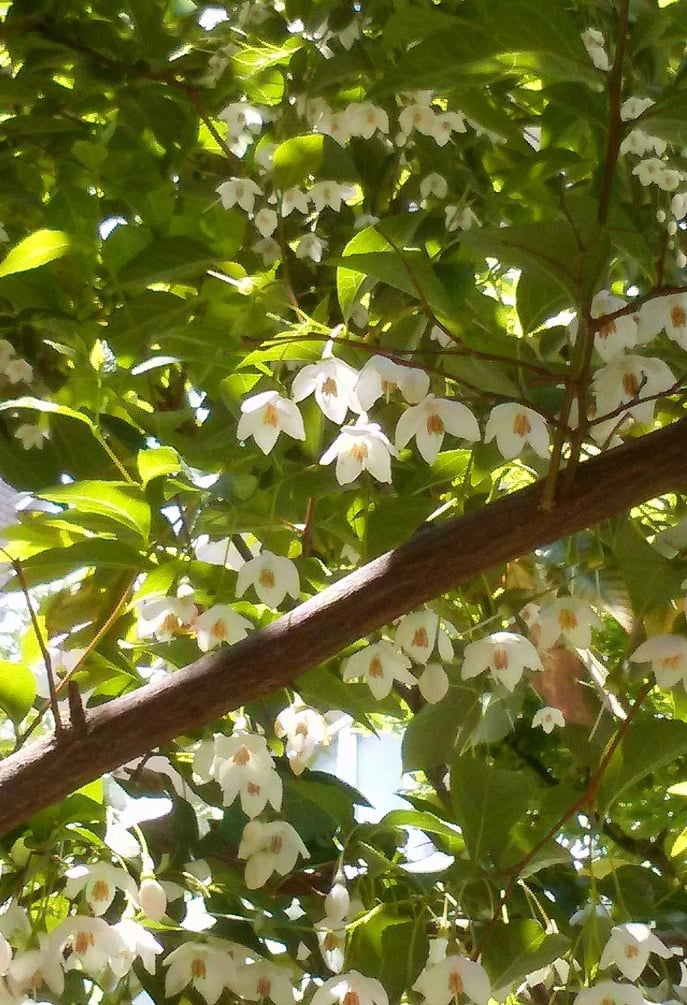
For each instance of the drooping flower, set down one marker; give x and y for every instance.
(99, 881)
(628, 379)
(31, 436)
(5, 956)
(304, 730)
(610, 993)
(617, 334)
(138, 943)
(272, 577)
(668, 657)
(18, 371)
(311, 246)
(514, 426)
(165, 617)
(265, 415)
(243, 123)
(428, 422)
(361, 446)
(629, 947)
(382, 376)
(92, 943)
(569, 617)
(445, 124)
(266, 221)
(207, 968)
(548, 718)
(668, 314)
(506, 654)
(595, 44)
(267, 848)
(635, 106)
(328, 193)
(365, 119)
(239, 191)
(220, 623)
(243, 766)
(152, 898)
(294, 198)
(380, 665)
(31, 967)
(352, 988)
(333, 383)
(433, 683)
(451, 979)
(434, 184)
(224, 552)
(418, 633)
(262, 979)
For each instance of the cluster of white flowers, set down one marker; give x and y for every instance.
(362, 445)
(416, 638)
(626, 378)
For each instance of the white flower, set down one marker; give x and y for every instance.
(594, 43)
(548, 718)
(268, 848)
(265, 415)
(333, 383)
(152, 899)
(32, 967)
(419, 632)
(31, 436)
(311, 246)
(610, 993)
(361, 446)
(101, 881)
(220, 623)
(433, 683)
(382, 376)
(668, 314)
(165, 617)
(418, 116)
(652, 171)
(265, 980)
(92, 943)
(434, 184)
(617, 334)
(243, 766)
(569, 617)
(305, 730)
(328, 193)
(514, 426)
(380, 665)
(626, 378)
(668, 657)
(450, 979)
(268, 249)
(238, 191)
(505, 654)
(272, 577)
(18, 370)
(266, 221)
(209, 969)
(364, 119)
(633, 107)
(223, 552)
(430, 420)
(638, 142)
(243, 121)
(437, 334)
(294, 198)
(335, 124)
(351, 989)
(629, 947)
(460, 219)
(138, 943)
(446, 124)
(5, 956)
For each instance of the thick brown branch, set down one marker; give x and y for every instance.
(435, 560)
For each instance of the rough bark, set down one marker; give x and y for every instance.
(437, 559)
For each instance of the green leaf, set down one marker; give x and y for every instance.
(54, 563)
(156, 462)
(168, 259)
(118, 501)
(430, 735)
(512, 951)
(37, 249)
(391, 947)
(646, 748)
(297, 158)
(17, 689)
(487, 802)
(652, 580)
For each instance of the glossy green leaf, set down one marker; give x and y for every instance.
(297, 158)
(646, 748)
(118, 501)
(516, 949)
(37, 249)
(157, 461)
(487, 802)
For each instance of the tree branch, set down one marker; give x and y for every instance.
(429, 564)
